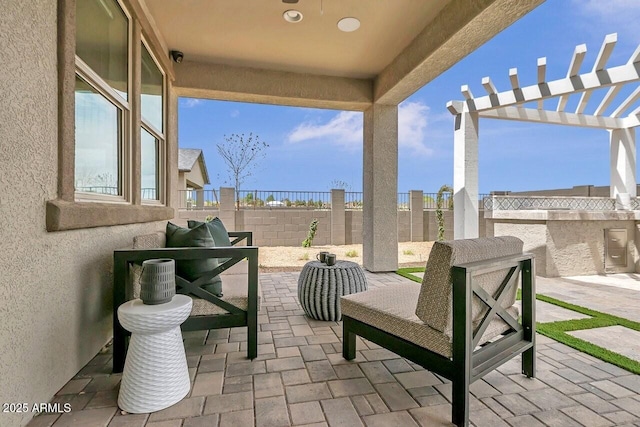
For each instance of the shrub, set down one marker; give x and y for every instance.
(313, 227)
(407, 252)
(351, 254)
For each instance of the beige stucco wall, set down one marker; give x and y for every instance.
(568, 247)
(194, 176)
(55, 288)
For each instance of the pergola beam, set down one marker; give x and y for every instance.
(553, 117)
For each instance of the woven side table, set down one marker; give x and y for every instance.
(320, 287)
(155, 372)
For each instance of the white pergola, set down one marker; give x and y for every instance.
(511, 105)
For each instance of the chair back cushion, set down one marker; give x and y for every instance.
(216, 228)
(197, 237)
(435, 299)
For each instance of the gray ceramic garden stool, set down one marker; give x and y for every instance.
(320, 287)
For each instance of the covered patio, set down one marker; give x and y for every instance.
(301, 378)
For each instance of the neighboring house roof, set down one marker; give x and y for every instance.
(187, 157)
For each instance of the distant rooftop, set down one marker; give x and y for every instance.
(187, 158)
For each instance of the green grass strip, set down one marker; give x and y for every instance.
(406, 272)
(558, 330)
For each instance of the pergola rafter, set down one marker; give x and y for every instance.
(510, 105)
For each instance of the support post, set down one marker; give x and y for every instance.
(380, 186)
(416, 206)
(227, 211)
(337, 217)
(465, 176)
(622, 144)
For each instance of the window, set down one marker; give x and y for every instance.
(98, 142)
(114, 154)
(102, 91)
(152, 137)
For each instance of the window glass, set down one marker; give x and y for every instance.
(149, 148)
(98, 142)
(151, 92)
(102, 34)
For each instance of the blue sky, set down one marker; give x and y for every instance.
(310, 148)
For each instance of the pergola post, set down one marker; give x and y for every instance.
(380, 187)
(465, 176)
(623, 162)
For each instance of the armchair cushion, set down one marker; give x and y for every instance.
(390, 309)
(435, 300)
(199, 236)
(216, 228)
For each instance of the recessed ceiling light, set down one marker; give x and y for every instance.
(292, 15)
(348, 24)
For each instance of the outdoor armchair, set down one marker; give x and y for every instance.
(239, 271)
(464, 324)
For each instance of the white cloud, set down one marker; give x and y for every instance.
(345, 129)
(412, 124)
(191, 102)
(234, 113)
(622, 15)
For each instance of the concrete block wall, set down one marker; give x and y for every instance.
(284, 227)
(289, 226)
(353, 227)
(404, 226)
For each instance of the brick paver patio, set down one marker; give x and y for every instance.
(300, 378)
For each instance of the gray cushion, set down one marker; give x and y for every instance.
(435, 301)
(390, 309)
(199, 236)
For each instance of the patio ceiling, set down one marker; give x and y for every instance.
(246, 51)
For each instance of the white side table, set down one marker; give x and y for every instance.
(155, 372)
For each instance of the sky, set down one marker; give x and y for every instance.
(309, 149)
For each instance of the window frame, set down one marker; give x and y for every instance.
(159, 135)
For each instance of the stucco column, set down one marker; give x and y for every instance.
(465, 176)
(380, 187)
(199, 198)
(337, 217)
(622, 144)
(227, 212)
(416, 205)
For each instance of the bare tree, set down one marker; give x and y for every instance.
(340, 185)
(241, 154)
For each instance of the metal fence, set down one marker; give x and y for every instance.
(430, 200)
(198, 199)
(253, 199)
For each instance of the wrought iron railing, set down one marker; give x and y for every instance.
(253, 199)
(353, 200)
(496, 203)
(198, 199)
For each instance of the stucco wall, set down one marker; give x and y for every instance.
(577, 247)
(532, 233)
(567, 248)
(404, 226)
(55, 288)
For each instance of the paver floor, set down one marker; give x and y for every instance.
(300, 378)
